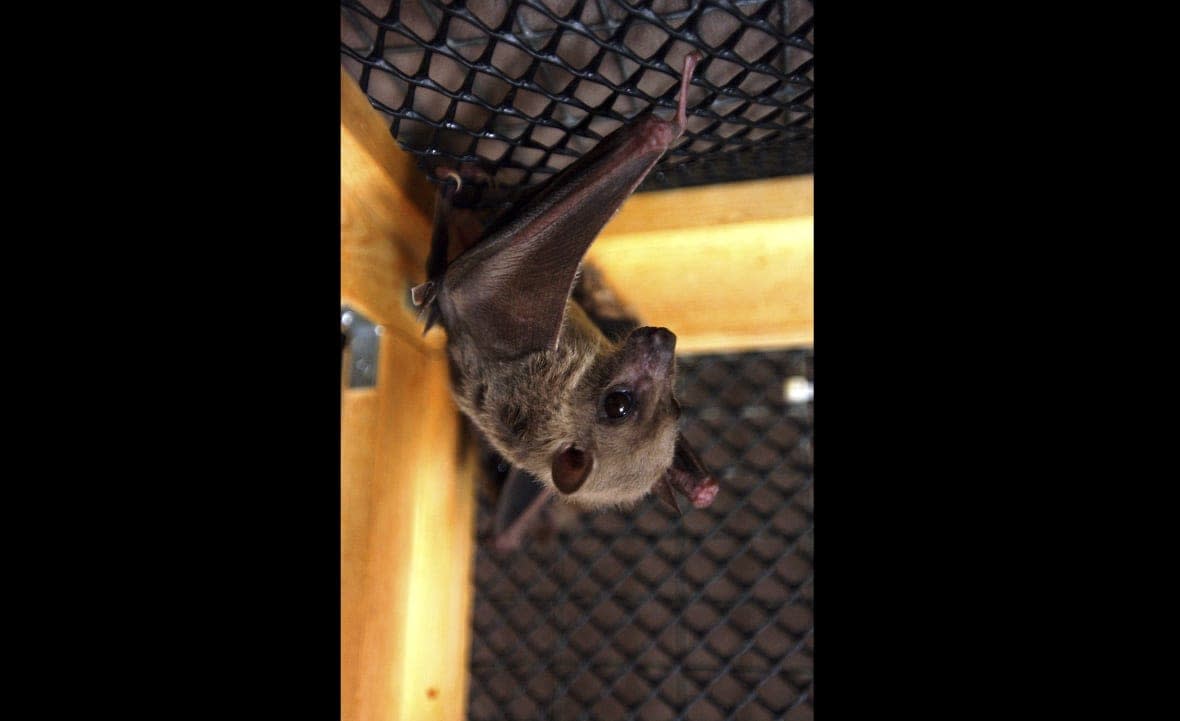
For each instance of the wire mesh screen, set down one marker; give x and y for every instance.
(641, 614)
(527, 86)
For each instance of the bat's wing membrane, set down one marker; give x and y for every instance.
(509, 291)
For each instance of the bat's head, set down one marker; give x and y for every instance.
(630, 424)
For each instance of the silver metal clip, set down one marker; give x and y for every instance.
(363, 344)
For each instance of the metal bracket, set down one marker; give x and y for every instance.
(363, 345)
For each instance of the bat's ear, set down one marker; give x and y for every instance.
(571, 468)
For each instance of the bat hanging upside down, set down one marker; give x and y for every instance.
(592, 419)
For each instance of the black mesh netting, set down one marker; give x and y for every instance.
(644, 615)
(529, 85)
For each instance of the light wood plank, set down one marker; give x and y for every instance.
(727, 268)
(407, 492)
(385, 219)
(411, 634)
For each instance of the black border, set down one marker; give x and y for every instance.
(236, 573)
(926, 252)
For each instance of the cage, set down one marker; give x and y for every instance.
(642, 614)
(630, 614)
(529, 86)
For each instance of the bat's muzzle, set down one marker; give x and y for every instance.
(657, 349)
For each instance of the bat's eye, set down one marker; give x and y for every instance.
(618, 404)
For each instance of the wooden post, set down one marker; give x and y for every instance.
(407, 493)
(727, 268)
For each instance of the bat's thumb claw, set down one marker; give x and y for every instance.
(422, 294)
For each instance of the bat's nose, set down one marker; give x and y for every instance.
(657, 348)
(661, 339)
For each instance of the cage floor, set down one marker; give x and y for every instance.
(645, 615)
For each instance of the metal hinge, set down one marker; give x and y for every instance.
(363, 343)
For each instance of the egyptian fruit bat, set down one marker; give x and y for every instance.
(591, 418)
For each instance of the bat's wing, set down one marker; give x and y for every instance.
(508, 292)
(517, 510)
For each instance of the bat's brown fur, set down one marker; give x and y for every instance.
(531, 409)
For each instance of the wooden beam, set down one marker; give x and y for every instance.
(407, 493)
(385, 219)
(727, 268)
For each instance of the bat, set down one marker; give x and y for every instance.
(591, 418)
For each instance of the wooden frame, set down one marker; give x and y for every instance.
(727, 268)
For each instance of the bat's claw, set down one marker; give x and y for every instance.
(448, 174)
(422, 294)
